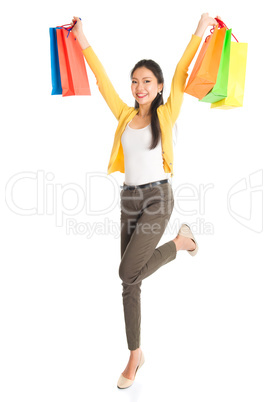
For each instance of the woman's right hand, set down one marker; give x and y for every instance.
(77, 30)
(77, 26)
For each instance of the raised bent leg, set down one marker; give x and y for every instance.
(141, 257)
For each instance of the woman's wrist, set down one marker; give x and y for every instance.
(201, 28)
(82, 40)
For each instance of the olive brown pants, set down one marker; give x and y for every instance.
(145, 213)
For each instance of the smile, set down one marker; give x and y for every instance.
(141, 96)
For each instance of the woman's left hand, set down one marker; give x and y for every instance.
(205, 21)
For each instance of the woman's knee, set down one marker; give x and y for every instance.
(124, 275)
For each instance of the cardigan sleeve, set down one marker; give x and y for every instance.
(174, 101)
(104, 84)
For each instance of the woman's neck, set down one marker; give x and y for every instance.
(144, 111)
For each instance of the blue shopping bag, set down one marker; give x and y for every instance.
(55, 65)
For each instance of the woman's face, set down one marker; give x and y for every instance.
(144, 86)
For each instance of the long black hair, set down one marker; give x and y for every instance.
(158, 100)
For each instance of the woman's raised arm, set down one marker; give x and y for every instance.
(104, 84)
(175, 98)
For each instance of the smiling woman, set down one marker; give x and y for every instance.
(143, 150)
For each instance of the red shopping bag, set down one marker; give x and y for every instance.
(205, 71)
(74, 80)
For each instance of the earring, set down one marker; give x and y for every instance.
(159, 93)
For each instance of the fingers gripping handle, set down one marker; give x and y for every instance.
(70, 27)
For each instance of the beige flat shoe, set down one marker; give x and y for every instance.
(186, 232)
(124, 382)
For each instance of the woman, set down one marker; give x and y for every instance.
(142, 150)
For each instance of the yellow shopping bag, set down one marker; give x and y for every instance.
(236, 79)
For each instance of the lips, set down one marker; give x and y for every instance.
(141, 95)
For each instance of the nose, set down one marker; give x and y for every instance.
(139, 87)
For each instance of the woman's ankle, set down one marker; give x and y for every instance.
(135, 352)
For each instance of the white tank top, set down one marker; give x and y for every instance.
(142, 165)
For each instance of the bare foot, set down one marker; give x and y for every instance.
(184, 243)
(134, 361)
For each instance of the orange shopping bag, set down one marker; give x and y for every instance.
(74, 80)
(204, 74)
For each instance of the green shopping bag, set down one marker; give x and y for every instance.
(219, 91)
(237, 76)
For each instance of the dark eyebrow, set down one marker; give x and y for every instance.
(143, 78)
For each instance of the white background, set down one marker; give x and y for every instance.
(204, 319)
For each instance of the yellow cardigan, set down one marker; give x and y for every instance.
(167, 113)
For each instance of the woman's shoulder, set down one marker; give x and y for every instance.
(161, 110)
(127, 111)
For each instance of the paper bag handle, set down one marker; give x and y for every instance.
(68, 25)
(222, 25)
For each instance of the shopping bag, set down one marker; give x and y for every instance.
(54, 61)
(205, 70)
(236, 79)
(74, 80)
(219, 91)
